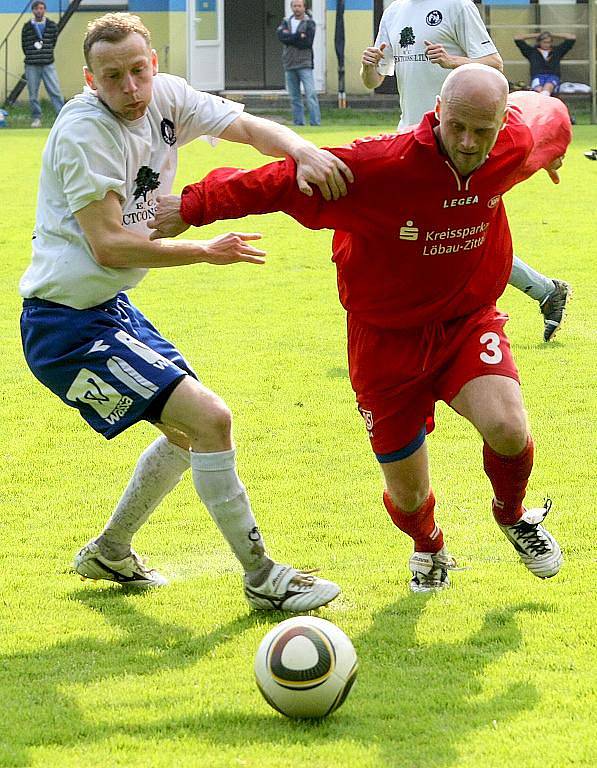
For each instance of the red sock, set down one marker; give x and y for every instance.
(419, 525)
(509, 476)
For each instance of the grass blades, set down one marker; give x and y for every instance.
(499, 670)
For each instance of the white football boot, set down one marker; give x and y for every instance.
(130, 572)
(286, 589)
(430, 570)
(536, 547)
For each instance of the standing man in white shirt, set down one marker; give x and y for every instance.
(111, 152)
(420, 41)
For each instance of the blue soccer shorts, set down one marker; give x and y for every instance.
(541, 80)
(108, 361)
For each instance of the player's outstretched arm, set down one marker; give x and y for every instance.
(231, 193)
(114, 246)
(548, 121)
(314, 166)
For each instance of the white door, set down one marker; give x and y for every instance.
(318, 11)
(206, 44)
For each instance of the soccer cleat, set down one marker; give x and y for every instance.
(128, 572)
(286, 589)
(591, 154)
(536, 547)
(553, 308)
(430, 570)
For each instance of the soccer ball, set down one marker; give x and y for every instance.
(305, 667)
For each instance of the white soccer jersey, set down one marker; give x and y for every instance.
(405, 25)
(90, 152)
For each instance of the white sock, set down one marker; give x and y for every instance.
(529, 281)
(158, 471)
(220, 489)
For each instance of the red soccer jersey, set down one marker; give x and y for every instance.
(414, 242)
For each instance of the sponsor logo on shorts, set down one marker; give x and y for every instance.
(434, 18)
(90, 389)
(98, 346)
(368, 416)
(409, 232)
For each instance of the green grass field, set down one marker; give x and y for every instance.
(497, 671)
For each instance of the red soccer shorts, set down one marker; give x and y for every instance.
(399, 374)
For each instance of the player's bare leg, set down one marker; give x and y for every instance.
(410, 503)
(494, 405)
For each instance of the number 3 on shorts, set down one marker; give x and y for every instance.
(494, 355)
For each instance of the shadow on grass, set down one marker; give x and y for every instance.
(338, 373)
(414, 704)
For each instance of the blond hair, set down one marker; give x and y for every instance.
(112, 28)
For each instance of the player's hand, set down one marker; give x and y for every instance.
(372, 55)
(552, 169)
(437, 54)
(167, 221)
(325, 170)
(232, 248)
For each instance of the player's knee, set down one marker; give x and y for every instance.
(507, 433)
(214, 418)
(408, 498)
(207, 423)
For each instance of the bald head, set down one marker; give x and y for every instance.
(484, 87)
(471, 109)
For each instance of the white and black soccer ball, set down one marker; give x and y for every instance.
(305, 667)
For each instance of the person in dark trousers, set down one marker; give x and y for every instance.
(297, 33)
(38, 40)
(544, 58)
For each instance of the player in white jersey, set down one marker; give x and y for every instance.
(111, 152)
(420, 41)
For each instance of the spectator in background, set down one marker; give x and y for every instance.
(38, 40)
(544, 58)
(297, 33)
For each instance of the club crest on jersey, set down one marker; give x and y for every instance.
(494, 201)
(407, 38)
(434, 18)
(168, 133)
(146, 180)
(456, 202)
(408, 232)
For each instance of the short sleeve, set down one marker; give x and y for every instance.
(89, 163)
(472, 33)
(386, 65)
(197, 113)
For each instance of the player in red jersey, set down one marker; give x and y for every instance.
(423, 250)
